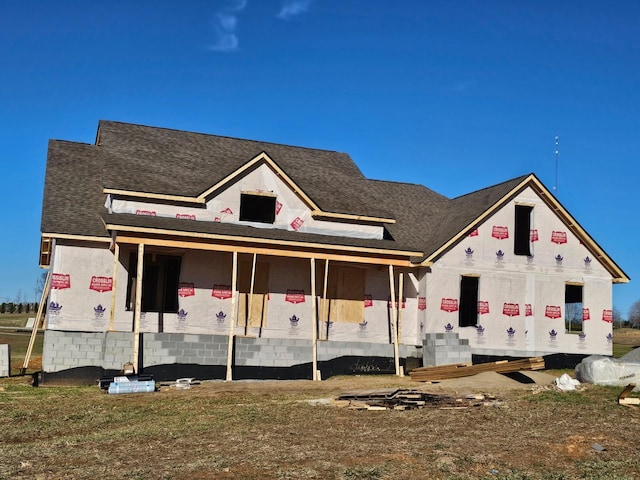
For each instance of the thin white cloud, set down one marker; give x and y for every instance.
(224, 26)
(292, 8)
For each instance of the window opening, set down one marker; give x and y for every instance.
(522, 234)
(468, 311)
(257, 208)
(573, 308)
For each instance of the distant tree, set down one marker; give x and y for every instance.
(41, 280)
(11, 307)
(617, 317)
(20, 308)
(634, 314)
(3, 307)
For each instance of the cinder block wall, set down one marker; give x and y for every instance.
(272, 352)
(110, 350)
(445, 349)
(186, 348)
(62, 350)
(5, 360)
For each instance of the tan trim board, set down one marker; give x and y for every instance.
(346, 216)
(262, 157)
(65, 236)
(266, 241)
(216, 247)
(480, 219)
(153, 196)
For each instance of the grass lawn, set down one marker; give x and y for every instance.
(269, 430)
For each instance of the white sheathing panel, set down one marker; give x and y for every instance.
(81, 287)
(205, 300)
(291, 212)
(534, 286)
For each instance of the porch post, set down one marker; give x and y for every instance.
(116, 260)
(250, 301)
(400, 300)
(324, 315)
(392, 288)
(138, 307)
(314, 325)
(232, 323)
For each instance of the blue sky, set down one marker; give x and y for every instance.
(456, 95)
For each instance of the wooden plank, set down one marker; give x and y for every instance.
(138, 308)
(456, 371)
(36, 324)
(232, 322)
(628, 389)
(394, 328)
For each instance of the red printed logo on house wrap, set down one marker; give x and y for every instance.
(294, 296)
(511, 309)
(186, 216)
(586, 315)
(533, 235)
(422, 303)
(221, 291)
(553, 311)
(278, 207)
(368, 301)
(559, 237)
(500, 232)
(474, 233)
(528, 311)
(186, 289)
(607, 316)
(60, 281)
(449, 304)
(146, 213)
(483, 307)
(101, 284)
(297, 223)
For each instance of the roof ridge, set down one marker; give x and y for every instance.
(100, 122)
(521, 177)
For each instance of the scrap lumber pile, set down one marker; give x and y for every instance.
(403, 399)
(443, 372)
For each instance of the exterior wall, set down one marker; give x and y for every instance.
(5, 360)
(537, 281)
(291, 212)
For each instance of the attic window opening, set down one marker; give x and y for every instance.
(522, 234)
(257, 208)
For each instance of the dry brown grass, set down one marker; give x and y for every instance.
(267, 430)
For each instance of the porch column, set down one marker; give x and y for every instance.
(138, 307)
(324, 313)
(314, 325)
(232, 321)
(392, 288)
(250, 300)
(116, 260)
(400, 302)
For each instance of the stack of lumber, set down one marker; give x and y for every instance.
(443, 372)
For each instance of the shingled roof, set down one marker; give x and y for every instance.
(173, 162)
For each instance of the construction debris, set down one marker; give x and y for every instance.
(625, 399)
(402, 399)
(443, 372)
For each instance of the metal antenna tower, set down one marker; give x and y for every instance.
(555, 186)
